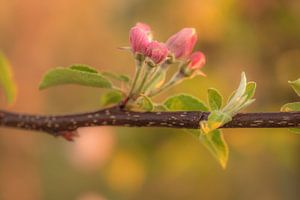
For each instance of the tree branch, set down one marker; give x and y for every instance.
(115, 116)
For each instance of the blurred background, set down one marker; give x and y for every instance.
(260, 37)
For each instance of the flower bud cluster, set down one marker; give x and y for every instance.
(177, 49)
(179, 46)
(142, 43)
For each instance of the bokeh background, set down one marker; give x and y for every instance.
(260, 37)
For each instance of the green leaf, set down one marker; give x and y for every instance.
(116, 77)
(145, 103)
(250, 90)
(124, 78)
(217, 145)
(296, 86)
(111, 97)
(184, 102)
(290, 107)
(230, 97)
(236, 95)
(62, 76)
(215, 99)
(218, 116)
(215, 120)
(6, 80)
(83, 68)
(242, 87)
(241, 98)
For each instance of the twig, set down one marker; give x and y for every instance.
(114, 116)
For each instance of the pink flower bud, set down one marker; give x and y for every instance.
(157, 52)
(140, 36)
(197, 61)
(182, 43)
(144, 27)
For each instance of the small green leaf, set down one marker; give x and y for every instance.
(296, 86)
(111, 97)
(218, 116)
(242, 87)
(290, 107)
(236, 95)
(217, 145)
(215, 99)
(250, 90)
(6, 81)
(215, 120)
(124, 78)
(145, 103)
(241, 98)
(231, 96)
(184, 102)
(116, 77)
(61, 76)
(83, 68)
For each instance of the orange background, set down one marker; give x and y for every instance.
(260, 37)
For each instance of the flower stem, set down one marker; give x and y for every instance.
(155, 76)
(146, 75)
(139, 66)
(178, 77)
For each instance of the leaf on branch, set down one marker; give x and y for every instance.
(144, 103)
(293, 107)
(83, 68)
(241, 98)
(215, 99)
(80, 75)
(185, 102)
(116, 77)
(111, 97)
(290, 107)
(216, 144)
(215, 120)
(6, 80)
(296, 86)
(236, 96)
(213, 141)
(250, 90)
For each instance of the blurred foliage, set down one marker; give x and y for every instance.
(7, 83)
(260, 37)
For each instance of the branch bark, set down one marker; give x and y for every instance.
(115, 116)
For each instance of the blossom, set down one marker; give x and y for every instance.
(157, 51)
(182, 43)
(140, 36)
(196, 61)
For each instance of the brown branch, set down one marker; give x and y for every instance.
(115, 116)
